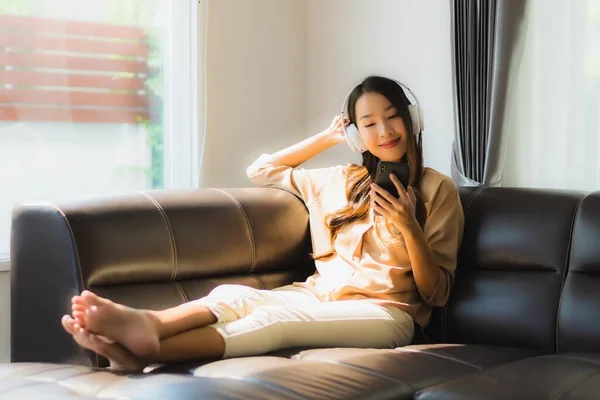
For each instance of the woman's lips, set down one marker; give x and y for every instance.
(390, 144)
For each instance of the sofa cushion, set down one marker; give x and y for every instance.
(568, 376)
(56, 381)
(412, 367)
(310, 380)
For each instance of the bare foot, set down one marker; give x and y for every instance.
(132, 328)
(120, 359)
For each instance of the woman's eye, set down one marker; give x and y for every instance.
(369, 125)
(394, 116)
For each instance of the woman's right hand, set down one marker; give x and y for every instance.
(335, 131)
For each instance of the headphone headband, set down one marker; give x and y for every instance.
(402, 85)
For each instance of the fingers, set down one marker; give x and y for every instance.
(379, 209)
(383, 193)
(399, 187)
(379, 203)
(411, 195)
(337, 122)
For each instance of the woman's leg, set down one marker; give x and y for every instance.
(336, 324)
(141, 331)
(353, 323)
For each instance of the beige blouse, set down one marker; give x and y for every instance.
(371, 263)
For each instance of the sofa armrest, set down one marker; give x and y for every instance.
(151, 250)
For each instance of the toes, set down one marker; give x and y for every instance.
(78, 328)
(77, 300)
(91, 299)
(79, 317)
(68, 323)
(78, 307)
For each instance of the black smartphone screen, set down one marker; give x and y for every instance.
(382, 176)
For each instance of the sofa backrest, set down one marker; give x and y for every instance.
(188, 243)
(511, 266)
(579, 312)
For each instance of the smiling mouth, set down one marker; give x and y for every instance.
(390, 144)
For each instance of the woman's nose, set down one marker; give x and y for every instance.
(385, 129)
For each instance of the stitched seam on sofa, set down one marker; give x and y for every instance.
(574, 382)
(61, 212)
(181, 291)
(440, 356)
(171, 235)
(368, 371)
(445, 314)
(564, 274)
(248, 225)
(260, 282)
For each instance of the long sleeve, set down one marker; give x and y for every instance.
(443, 232)
(304, 183)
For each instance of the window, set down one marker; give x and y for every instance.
(96, 97)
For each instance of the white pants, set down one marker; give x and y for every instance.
(253, 321)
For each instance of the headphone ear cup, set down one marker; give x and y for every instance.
(418, 121)
(353, 139)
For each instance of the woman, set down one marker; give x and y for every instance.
(382, 262)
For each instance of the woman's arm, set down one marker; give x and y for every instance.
(426, 271)
(279, 169)
(303, 151)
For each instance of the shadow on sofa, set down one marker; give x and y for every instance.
(523, 320)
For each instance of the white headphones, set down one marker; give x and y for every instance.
(353, 136)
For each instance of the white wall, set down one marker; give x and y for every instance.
(256, 84)
(404, 39)
(4, 317)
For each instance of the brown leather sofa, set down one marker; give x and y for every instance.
(523, 320)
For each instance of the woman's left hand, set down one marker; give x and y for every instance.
(399, 211)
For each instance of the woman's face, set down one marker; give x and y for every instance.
(380, 126)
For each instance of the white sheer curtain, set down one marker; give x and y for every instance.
(554, 118)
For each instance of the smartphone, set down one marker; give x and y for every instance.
(382, 175)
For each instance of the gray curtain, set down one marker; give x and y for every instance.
(486, 36)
